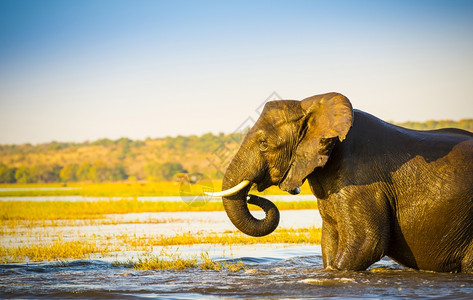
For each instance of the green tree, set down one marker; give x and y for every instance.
(118, 172)
(69, 173)
(152, 171)
(22, 175)
(164, 171)
(45, 173)
(7, 175)
(83, 171)
(99, 172)
(169, 169)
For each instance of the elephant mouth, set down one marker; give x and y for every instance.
(260, 187)
(295, 191)
(282, 183)
(263, 187)
(247, 184)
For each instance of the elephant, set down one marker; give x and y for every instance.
(382, 190)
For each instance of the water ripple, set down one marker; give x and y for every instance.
(289, 272)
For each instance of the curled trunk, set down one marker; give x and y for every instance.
(237, 210)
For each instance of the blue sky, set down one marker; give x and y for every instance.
(84, 70)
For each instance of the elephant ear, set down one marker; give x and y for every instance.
(326, 118)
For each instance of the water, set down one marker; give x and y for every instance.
(274, 270)
(149, 224)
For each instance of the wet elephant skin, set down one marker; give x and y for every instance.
(381, 189)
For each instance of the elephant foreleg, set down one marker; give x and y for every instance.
(363, 240)
(329, 245)
(467, 262)
(358, 253)
(349, 253)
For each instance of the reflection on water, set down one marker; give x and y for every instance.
(275, 271)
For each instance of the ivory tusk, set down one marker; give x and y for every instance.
(230, 192)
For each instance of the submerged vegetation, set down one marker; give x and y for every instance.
(58, 250)
(175, 261)
(63, 251)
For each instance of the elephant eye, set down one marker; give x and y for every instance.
(263, 145)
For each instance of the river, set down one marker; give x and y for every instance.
(273, 271)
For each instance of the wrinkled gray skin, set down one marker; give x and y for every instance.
(381, 189)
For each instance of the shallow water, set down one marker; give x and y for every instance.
(275, 271)
(165, 223)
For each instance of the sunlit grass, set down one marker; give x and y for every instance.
(175, 261)
(112, 189)
(59, 210)
(56, 251)
(64, 250)
(311, 235)
(125, 189)
(20, 226)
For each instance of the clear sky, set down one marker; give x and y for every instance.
(84, 70)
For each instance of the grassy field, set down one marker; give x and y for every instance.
(124, 189)
(103, 247)
(42, 222)
(11, 211)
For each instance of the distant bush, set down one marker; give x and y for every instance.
(165, 171)
(96, 172)
(465, 124)
(69, 173)
(7, 175)
(23, 175)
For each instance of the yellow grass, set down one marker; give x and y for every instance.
(127, 189)
(175, 261)
(24, 217)
(56, 251)
(59, 210)
(311, 235)
(64, 250)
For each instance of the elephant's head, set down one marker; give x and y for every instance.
(289, 140)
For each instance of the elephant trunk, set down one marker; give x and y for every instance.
(237, 209)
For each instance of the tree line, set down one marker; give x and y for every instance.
(125, 159)
(465, 124)
(92, 172)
